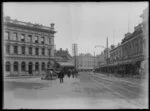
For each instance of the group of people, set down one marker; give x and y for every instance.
(67, 72)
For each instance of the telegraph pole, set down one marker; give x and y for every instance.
(74, 46)
(107, 52)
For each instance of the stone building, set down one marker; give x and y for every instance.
(28, 48)
(85, 62)
(63, 55)
(63, 59)
(116, 53)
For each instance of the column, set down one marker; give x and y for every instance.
(18, 34)
(11, 49)
(19, 68)
(40, 68)
(11, 67)
(27, 50)
(27, 68)
(19, 49)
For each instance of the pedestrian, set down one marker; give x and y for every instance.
(69, 73)
(51, 73)
(76, 73)
(61, 75)
(73, 72)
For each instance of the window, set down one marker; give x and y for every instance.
(49, 40)
(37, 51)
(7, 49)
(15, 49)
(36, 39)
(43, 51)
(48, 64)
(15, 36)
(7, 66)
(23, 50)
(30, 50)
(23, 37)
(36, 66)
(15, 66)
(43, 66)
(30, 38)
(6, 34)
(23, 66)
(49, 52)
(42, 40)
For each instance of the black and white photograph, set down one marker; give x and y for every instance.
(75, 55)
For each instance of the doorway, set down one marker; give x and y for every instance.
(30, 68)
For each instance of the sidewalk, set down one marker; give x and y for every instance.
(21, 77)
(132, 80)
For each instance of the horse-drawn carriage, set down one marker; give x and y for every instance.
(49, 74)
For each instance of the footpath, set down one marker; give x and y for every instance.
(132, 80)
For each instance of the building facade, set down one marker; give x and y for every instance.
(85, 62)
(127, 57)
(116, 53)
(63, 55)
(28, 48)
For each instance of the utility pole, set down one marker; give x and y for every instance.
(107, 52)
(94, 61)
(74, 47)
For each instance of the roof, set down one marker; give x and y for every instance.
(66, 64)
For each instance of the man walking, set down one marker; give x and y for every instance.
(73, 72)
(76, 73)
(61, 75)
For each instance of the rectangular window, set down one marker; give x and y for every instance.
(23, 37)
(30, 38)
(37, 51)
(43, 51)
(6, 35)
(15, 36)
(7, 49)
(23, 50)
(30, 50)
(42, 40)
(49, 40)
(36, 39)
(15, 49)
(49, 52)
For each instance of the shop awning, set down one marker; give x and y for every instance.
(66, 64)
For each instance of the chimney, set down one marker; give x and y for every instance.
(52, 25)
(7, 18)
(112, 46)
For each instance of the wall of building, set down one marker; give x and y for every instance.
(14, 27)
(85, 62)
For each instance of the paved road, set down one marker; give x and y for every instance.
(86, 91)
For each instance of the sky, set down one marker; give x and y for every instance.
(88, 24)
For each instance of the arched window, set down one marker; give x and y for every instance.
(36, 66)
(15, 66)
(7, 66)
(23, 66)
(43, 66)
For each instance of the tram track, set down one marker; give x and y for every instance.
(131, 91)
(126, 94)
